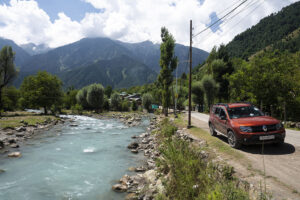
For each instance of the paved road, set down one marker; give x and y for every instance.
(282, 162)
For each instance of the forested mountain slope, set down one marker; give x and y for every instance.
(270, 30)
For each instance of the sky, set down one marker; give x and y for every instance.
(60, 22)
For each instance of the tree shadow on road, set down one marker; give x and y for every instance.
(269, 149)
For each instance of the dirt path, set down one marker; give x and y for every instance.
(282, 164)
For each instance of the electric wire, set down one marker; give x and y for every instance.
(220, 18)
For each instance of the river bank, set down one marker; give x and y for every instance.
(12, 137)
(178, 166)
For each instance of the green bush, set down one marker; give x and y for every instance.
(125, 106)
(190, 176)
(134, 106)
(77, 109)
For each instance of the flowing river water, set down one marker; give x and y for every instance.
(71, 162)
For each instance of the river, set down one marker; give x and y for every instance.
(71, 162)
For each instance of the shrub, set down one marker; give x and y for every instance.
(125, 106)
(95, 96)
(147, 100)
(134, 106)
(115, 101)
(77, 109)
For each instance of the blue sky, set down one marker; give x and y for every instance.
(60, 22)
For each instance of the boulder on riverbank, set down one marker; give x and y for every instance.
(133, 145)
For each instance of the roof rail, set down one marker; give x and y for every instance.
(222, 104)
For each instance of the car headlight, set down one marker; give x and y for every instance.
(246, 129)
(279, 126)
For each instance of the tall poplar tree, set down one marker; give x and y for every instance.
(168, 63)
(7, 69)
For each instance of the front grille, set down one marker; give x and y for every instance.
(271, 127)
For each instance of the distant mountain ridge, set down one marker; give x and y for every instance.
(274, 30)
(112, 61)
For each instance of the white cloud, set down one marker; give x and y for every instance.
(130, 21)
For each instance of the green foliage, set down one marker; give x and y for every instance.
(147, 100)
(106, 104)
(168, 63)
(191, 177)
(77, 109)
(10, 98)
(81, 97)
(269, 78)
(125, 106)
(7, 69)
(210, 88)
(95, 96)
(198, 95)
(42, 90)
(268, 31)
(108, 91)
(167, 129)
(70, 98)
(134, 106)
(115, 101)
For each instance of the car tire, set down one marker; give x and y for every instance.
(212, 130)
(232, 140)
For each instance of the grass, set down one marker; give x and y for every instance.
(213, 142)
(17, 119)
(189, 175)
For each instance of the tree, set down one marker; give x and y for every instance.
(115, 101)
(108, 91)
(168, 63)
(95, 96)
(70, 98)
(7, 69)
(10, 98)
(147, 100)
(198, 95)
(134, 106)
(81, 97)
(210, 88)
(42, 90)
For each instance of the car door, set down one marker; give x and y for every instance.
(222, 121)
(216, 118)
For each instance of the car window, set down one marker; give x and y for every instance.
(222, 113)
(246, 111)
(217, 111)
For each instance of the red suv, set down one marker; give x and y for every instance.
(243, 123)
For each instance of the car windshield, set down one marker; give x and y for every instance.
(247, 111)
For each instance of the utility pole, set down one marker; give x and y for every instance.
(190, 79)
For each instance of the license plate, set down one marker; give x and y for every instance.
(267, 137)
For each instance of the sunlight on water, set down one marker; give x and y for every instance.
(79, 160)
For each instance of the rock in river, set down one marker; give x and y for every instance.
(15, 154)
(119, 188)
(133, 145)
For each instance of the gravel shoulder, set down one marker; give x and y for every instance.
(282, 164)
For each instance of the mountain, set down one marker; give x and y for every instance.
(21, 55)
(279, 29)
(33, 49)
(149, 54)
(79, 54)
(100, 60)
(120, 72)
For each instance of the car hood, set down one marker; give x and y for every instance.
(255, 121)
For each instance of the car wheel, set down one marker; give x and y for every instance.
(212, 130)
(232, 140)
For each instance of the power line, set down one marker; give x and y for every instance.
(218, 14)
(220, 18)
(250, 4)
